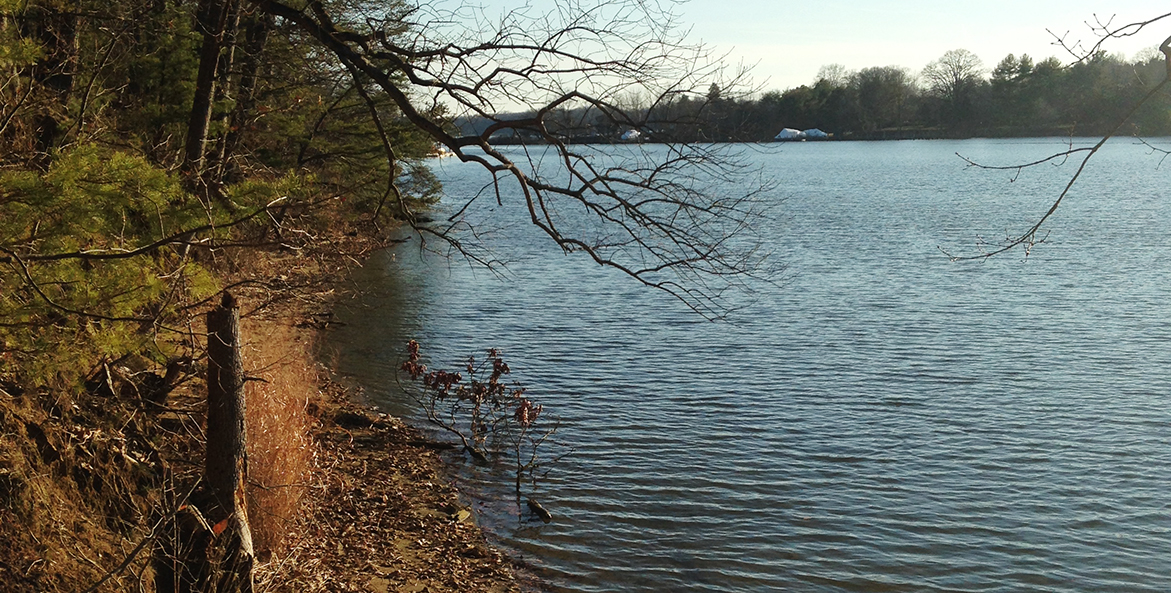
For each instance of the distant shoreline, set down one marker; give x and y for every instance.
(875, 136)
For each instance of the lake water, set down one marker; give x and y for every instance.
(883, 420)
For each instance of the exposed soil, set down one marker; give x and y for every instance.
(85, 476)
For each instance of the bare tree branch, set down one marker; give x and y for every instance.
(155, 532)
(679, 218)
(1105, 31)
(1029, 238)
(391, 157)
(111, 254)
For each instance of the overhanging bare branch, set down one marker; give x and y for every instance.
(678, 217)
(1028, 238)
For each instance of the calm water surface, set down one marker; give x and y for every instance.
(885, 420)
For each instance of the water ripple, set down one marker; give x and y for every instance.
(886, 421)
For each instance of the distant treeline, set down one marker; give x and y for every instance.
(954, 96)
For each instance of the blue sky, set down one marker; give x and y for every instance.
(788, 41)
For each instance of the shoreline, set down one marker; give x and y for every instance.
(888, 135)
(379, 513)
(384, 517)
(95, 477)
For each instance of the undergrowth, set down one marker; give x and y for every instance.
(102, 396)
(86, 477)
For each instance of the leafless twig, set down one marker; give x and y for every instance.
(1029, 238)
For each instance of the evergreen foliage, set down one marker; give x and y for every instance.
(69, 298)
(105, 245)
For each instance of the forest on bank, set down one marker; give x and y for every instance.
(955, 96)
(140, 138)
(153, 154)
(157, 154)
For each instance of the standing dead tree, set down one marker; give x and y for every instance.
(226, 467)
(211, 551)
(680, 218)
(1105, 32)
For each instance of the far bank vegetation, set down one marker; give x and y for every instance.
(957, 95)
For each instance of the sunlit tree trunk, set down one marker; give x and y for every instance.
(256, 30)
(225, 94)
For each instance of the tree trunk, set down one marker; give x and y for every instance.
(257, 28)
(226, 468)
(211, 21)
(211, 552)
(224, 95)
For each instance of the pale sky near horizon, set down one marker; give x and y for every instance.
(788, 41)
